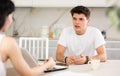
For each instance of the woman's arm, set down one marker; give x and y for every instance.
(14, 54)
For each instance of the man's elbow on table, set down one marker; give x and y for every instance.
(103, 58)
(58, 56)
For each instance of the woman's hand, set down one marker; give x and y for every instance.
(50, 62)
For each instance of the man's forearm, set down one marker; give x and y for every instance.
(60, 58)
(102, 57)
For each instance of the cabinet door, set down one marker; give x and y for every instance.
(98, 3)
(63, 3)
(23, 3)
(52, 48)
(72, 3)
(55, 3)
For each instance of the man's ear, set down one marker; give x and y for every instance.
(88, 21)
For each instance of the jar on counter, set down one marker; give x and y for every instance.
(44, 31)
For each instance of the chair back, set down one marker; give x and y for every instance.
(28, 58)
(37, 47)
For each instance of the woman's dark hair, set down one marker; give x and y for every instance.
(81, 10)
(6, 8)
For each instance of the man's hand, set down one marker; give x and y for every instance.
(70, 60)
(80, 60)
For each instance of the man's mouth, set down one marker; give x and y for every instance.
(77, 26)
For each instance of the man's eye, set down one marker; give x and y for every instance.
(74, 18)
(81, 19)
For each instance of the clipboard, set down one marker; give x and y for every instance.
(58, 67)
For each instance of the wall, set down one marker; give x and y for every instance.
(29, 21)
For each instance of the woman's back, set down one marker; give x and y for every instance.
(2, 68)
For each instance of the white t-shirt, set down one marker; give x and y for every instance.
(81, 44)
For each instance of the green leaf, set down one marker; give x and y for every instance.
(118, 13)
(119, 27)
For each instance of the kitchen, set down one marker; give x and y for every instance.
(31, 17)
(37, 18)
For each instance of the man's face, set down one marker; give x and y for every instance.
(80, 23)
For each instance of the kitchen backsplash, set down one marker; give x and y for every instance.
(30, 22)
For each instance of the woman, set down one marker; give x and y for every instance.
(9, 48)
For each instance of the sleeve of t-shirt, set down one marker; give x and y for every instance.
(99, 39)
(62, 38)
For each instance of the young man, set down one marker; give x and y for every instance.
(80, 43)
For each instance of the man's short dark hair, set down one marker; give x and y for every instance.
(81, 10)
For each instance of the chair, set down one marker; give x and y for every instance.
(37, 47)
(28, 58)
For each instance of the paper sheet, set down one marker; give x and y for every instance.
(59, 67)
(69, 73)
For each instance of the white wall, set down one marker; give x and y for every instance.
(28, 21)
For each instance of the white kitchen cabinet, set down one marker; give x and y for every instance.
(23, 3)
(63, 3)
(52, 48)
(55, 3)
(98, 3)
(112, 49)
(72, 3)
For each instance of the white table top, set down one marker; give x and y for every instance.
(109, 68)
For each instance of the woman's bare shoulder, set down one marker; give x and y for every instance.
(9, 47)
(8, 38)
(8, 43)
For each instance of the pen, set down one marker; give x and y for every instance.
(42, 59)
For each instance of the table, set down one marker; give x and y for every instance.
(108, 68)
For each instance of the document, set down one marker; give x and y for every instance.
(70, 73)
(56, 68)
(59, 66)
